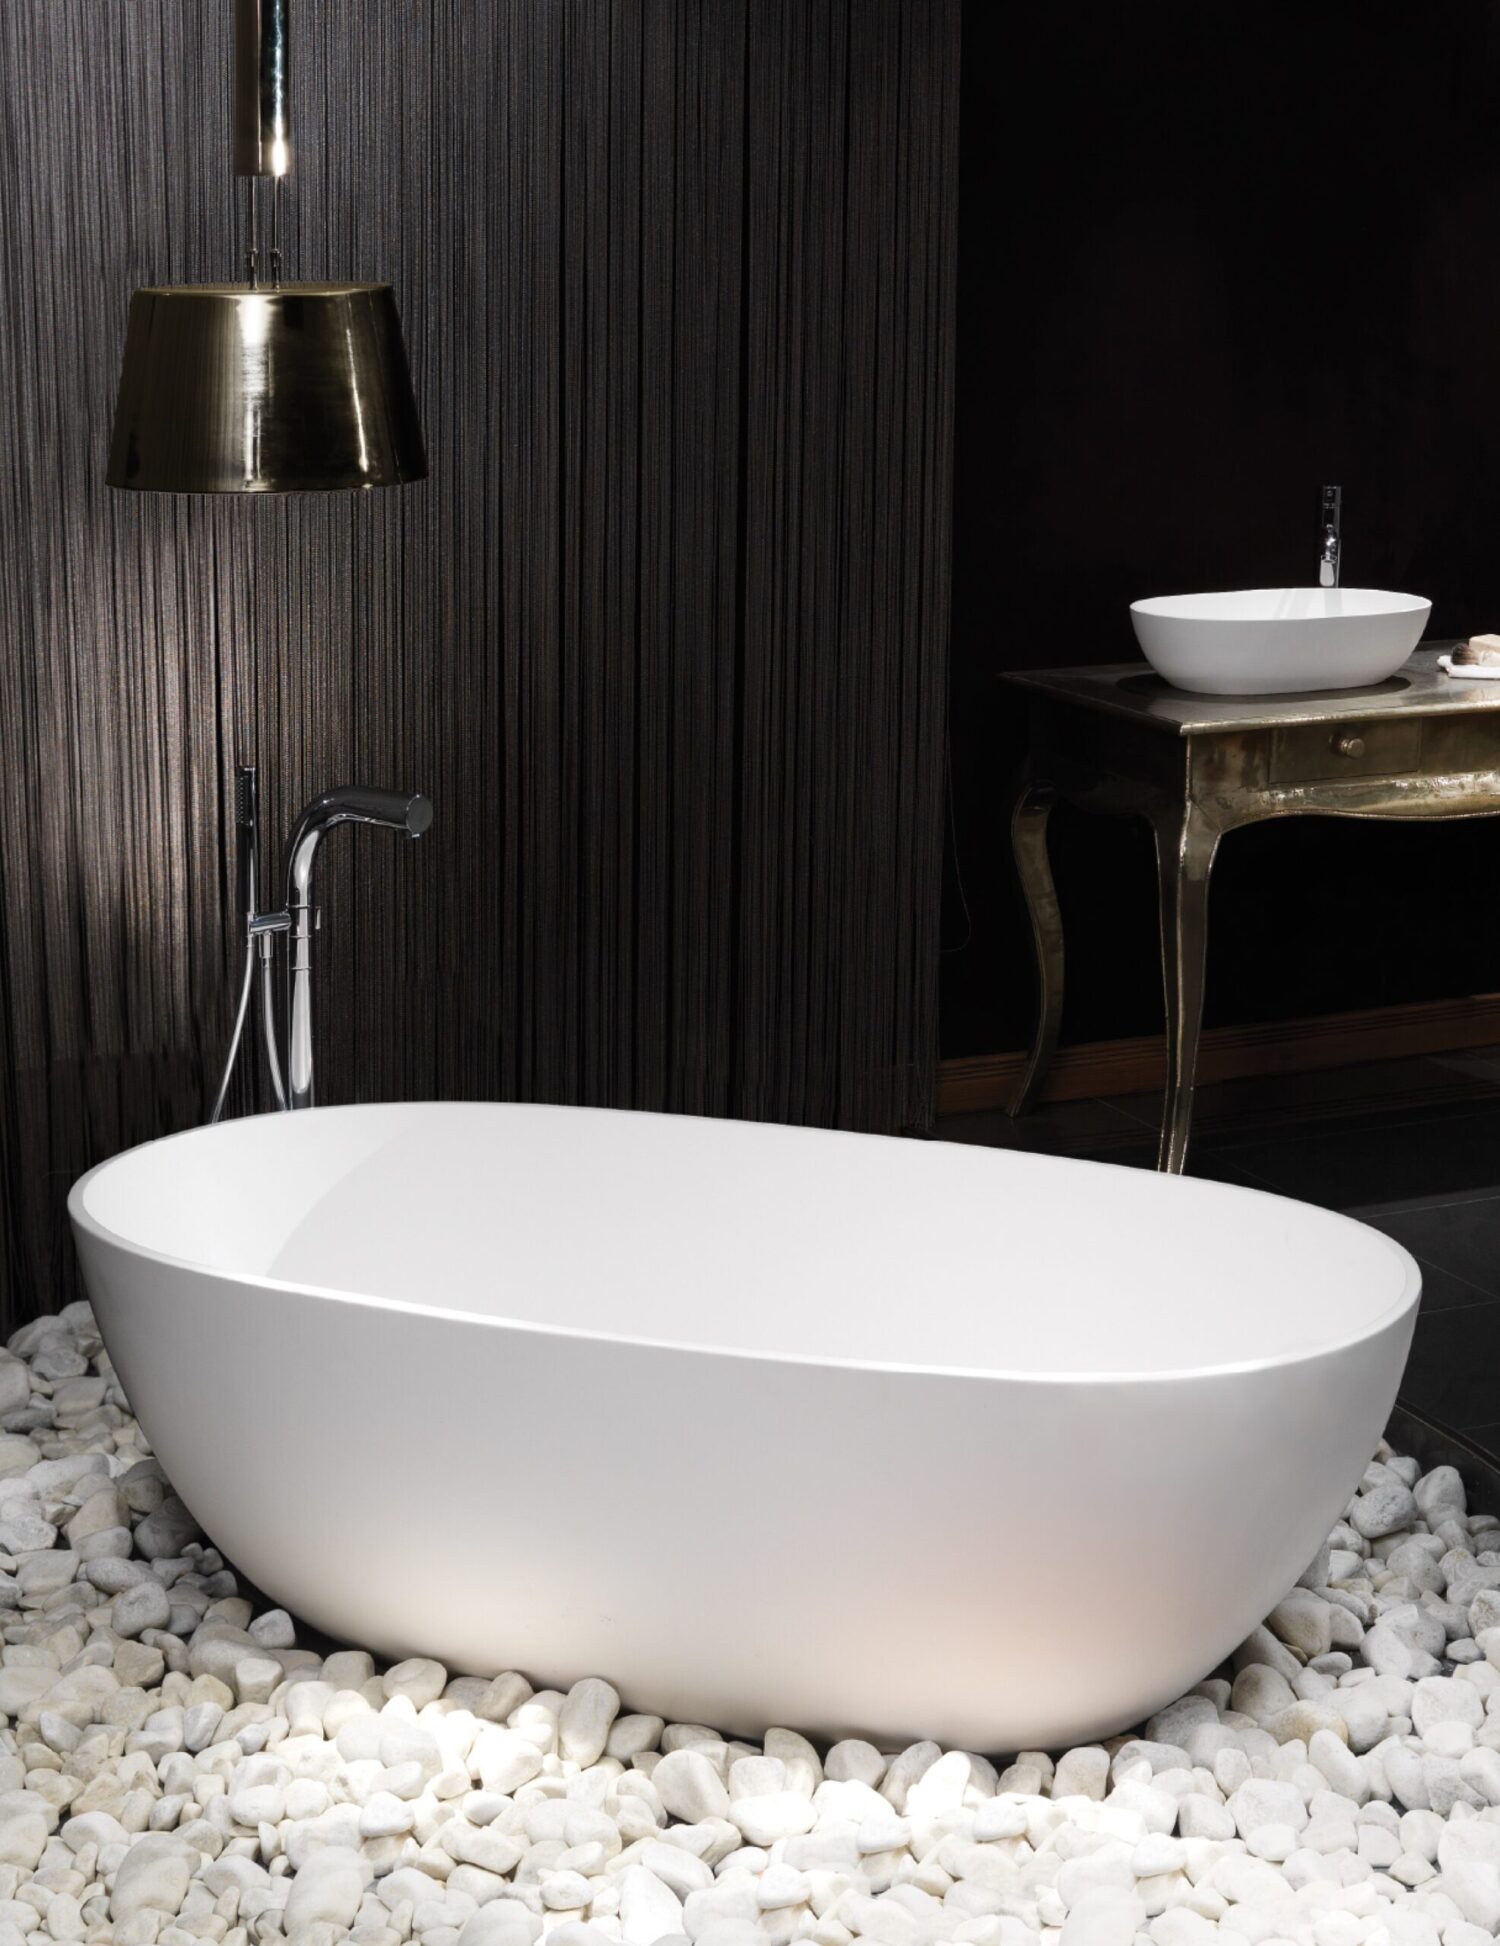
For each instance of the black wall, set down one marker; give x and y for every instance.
(663, 635)
(1211, 257)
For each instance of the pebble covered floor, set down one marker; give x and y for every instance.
(174, 1769)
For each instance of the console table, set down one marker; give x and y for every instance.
(1119, 740)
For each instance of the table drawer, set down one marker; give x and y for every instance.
(1321, 753)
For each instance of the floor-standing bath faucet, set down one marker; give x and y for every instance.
(1333, 514)
(405, 811)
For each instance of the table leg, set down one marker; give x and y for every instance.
(1186, 840)
(1028, 837)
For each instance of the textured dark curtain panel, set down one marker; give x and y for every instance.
(663, 634)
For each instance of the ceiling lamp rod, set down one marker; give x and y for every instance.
(262, 117)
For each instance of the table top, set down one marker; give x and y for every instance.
(1134, 690)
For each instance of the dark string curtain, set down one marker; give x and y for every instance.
(663, 634)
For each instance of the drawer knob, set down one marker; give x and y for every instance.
(1349, 745)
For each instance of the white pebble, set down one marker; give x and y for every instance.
(419, 1679)
(771, 1817)
(155, 1873)
(854, 1760)
(1263, 1801)
(583, 1723)
(649, 1910)
(505, 1922)
(565, 1891)
(383, 1815)
(327, 1889)
(506, 1760)
(1385, 1509)
(689, 1787)
(255, 1677)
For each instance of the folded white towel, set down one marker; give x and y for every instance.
(1470, 671)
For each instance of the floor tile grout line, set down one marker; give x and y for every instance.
(1481, 1294)
(1483, 1302)
(1255, 1182)
(1409, 1116)
(1321, 1137)
(1455, 1310)
(1486, 1295)
(1420, 1205)
(1125, 1114)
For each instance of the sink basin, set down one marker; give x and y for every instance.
(1267, 641)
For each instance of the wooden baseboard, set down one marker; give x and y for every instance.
(1138, 1065)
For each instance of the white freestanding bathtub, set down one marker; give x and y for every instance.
(768, 1425)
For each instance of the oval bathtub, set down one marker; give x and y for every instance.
(768, 1425)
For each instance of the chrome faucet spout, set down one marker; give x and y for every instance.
(1328, 560)
(406, 811)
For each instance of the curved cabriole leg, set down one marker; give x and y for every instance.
(1186, 840)
(1028, 837)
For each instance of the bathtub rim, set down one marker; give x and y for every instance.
(83, 1220)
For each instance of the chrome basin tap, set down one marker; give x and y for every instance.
(405, 811)
(1328, 560)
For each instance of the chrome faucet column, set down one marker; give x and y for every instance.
(405, 811)
(1333, 514)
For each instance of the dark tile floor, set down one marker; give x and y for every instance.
(1410, 1146)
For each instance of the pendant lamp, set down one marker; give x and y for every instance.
(264, 386)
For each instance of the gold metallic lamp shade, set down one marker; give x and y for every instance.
(291, 388)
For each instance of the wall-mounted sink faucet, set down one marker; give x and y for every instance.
(1333, 513)
(298, 919)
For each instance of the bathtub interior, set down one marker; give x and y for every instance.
(746, 1237)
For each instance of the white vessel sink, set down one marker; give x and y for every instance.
(1266, 641)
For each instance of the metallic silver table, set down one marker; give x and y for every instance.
(1119, 740)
